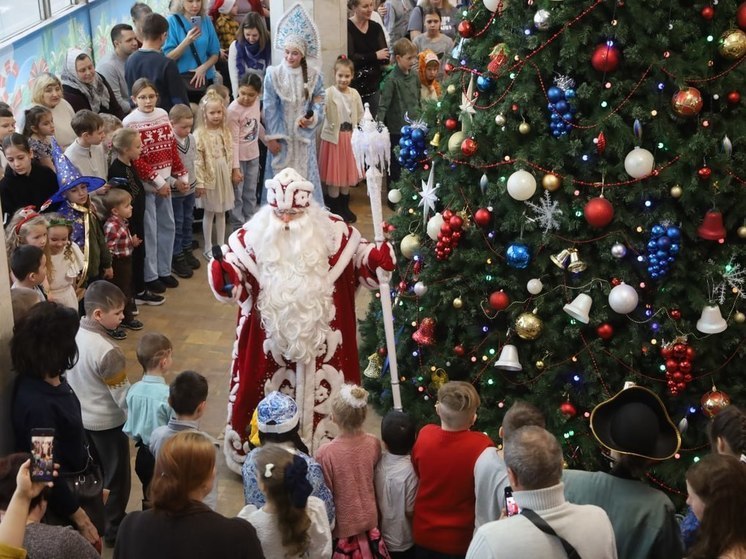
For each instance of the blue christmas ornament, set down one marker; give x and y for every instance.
(518, 256)
(561, 110)
(406, 130)
(484, 83)
(662, 248)
(418, 134)
(554, 94)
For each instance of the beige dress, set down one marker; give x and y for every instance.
(213, 168)
(66, 267)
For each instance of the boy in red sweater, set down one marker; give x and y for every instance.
(443, 458)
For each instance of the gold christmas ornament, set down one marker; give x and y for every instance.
(687, 102)
(438, 378)
(676, 191)
(435, 142)
(742, 232)
(540, 365)
(739, 317)
(732, 44)
(524, 128)
(458, 303)
(410, 245)
(529, 326)
(375, 364)
(551, 182)
(451, 89)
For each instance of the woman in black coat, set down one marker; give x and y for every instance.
(84, 88)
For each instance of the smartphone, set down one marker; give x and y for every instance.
(511, 507)
(119, 181)
(196, 21)
(42, 454)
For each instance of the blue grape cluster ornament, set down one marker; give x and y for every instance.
(412, 144)
(662, 248)
(561, 108)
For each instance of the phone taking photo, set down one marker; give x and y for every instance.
(42, 454)
(196, 21)
(511, 507)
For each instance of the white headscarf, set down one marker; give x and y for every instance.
(96, 92)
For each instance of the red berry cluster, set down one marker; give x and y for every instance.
(679, 356)
(449, 236)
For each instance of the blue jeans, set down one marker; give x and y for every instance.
(183, 219)
(159, 236)
(245, 194)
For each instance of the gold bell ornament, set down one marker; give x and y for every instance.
(576, 265)
(438, 378)
(375, 365)
(435, 142)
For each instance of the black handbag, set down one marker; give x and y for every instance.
(88, 487)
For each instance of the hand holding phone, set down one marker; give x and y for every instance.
(511, 507)
(196, 21)
(42, 454)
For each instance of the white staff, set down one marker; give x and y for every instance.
(371, 145)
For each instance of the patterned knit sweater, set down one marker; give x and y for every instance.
(160, 157)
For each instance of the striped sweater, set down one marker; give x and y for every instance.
(160, 157)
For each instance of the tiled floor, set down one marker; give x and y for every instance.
(202, 332)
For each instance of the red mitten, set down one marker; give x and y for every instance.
(222, 273)
(381, 257)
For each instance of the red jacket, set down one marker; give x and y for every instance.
(444, 505)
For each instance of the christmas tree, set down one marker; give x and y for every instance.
(573, 219)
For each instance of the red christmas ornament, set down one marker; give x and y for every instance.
(456, 223)
(605, 331)
(615, 281)
(382, 351)
(459, 350)
(425, 334)
(704, 173)
(499, 300)
(568, 410)
(601, 143)
(741, 16)
(447, 214)
(469, 146)
(734, 97)
(482, 217)
(605, 58)
(451, 124)
(675, 314)
(448, 68)
(714, 401)
(707, 13)
(598, 212)
(687, 102)
(465, 29)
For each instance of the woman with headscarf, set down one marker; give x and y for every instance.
(84, 88)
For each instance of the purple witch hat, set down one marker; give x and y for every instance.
(68, 175)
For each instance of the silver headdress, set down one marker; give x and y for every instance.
(296, 29)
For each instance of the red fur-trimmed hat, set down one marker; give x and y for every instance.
(288, 190)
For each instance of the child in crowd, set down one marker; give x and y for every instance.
(292, 523)
(443, 458)
(7, 127)
(147, 402)
(400, 95)
(66, 262)
(428, 69)
(213, 167)
(276, 419)
(121, 244)
(490, 471)
(183, 196)
(111, 125)
(396, 484)
(87, 152)
(150, 63)
(158, 161)
(223, 13)
(349, 463)
(244, 120)
(99, 380)
(29, 266)
(187, 396)
(294, 101)
(26, 228)
(39, 129)
(127, 146)
(250, 52)
(223, 92)
(27, 183)
(337, 166)
(87, 233)
(432, 38)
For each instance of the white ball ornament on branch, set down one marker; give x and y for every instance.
(623, 298)
(433, 226)
(534, 286)
(521, 185)
(394, 195)
(639, 163)
(420, 289)
(542, 20)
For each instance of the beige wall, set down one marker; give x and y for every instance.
(331, 19)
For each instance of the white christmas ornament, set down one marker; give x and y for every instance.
(639, 163)
(541, 20)
(623, 298)
(394, 196)
(420, 289)
(433, 226)
(521, 185)
(534, 286)
(491, 5)
(618, 250)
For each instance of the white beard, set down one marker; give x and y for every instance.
(295, 298)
